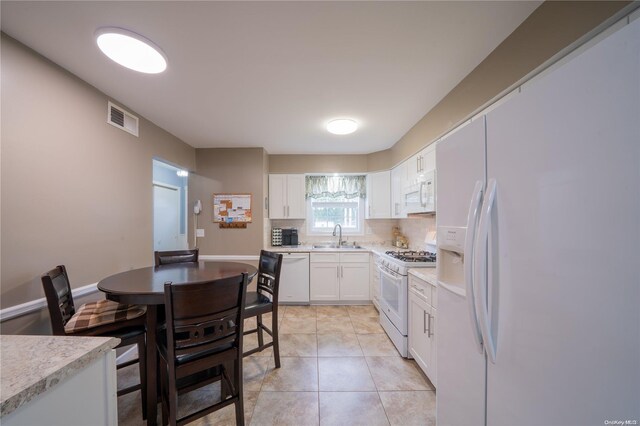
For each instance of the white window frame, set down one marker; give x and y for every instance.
(345, 231)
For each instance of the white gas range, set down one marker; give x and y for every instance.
(394, 289)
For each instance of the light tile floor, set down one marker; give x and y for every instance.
(338, 368)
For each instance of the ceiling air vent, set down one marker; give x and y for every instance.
(118, 117)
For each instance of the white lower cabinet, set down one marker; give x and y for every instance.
(324, 281)
(89, 396)
(422, 325)
(374, 280)
(339, 276)
(354, 281)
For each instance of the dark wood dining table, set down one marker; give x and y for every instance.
(145, 286)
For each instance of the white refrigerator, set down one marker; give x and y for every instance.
(539, 250)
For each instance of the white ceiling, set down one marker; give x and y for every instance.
(271, 74)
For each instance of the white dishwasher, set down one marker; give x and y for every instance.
(294, 278)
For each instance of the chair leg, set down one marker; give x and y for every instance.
(260, 332)
(163, 393)
(276, 344)
(224, 388)
(239, 387)
(172, 395)
(142, 361)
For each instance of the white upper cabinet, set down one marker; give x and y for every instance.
(286, 197)
(421, 163)
(413, 168)
(296, 207)
(398, 182)
(378, 195)
(428, 158)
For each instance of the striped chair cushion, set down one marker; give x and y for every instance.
(102, 312)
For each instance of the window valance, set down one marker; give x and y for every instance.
(348, 187)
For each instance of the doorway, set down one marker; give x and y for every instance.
(169, 207)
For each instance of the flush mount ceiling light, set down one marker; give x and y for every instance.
(131, 50)
(342, 126)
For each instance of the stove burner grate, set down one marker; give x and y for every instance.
(412, 256)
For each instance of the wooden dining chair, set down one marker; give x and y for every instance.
(102, 318)
(202, 344)
(265, 300)
(176, 256)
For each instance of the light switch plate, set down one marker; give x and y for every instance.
(199, 232)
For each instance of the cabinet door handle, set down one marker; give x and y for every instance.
(430, 331)
(424, 322)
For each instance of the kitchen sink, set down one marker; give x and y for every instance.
(335, 246)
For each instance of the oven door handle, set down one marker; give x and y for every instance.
(383, 271)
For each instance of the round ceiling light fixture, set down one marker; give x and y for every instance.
(342, 126)
(131, 50)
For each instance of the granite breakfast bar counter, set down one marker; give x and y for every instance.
(58, 380)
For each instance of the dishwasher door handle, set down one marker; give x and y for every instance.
(294, 257)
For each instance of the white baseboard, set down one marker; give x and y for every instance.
(38, 304)
(227, 258)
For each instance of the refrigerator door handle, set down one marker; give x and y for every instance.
(472, 220)
(480, 270)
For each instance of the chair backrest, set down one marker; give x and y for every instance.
(176, 256)
(269, 268)
(59, 298)
(205, 317)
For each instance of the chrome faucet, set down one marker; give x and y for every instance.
(339, 235)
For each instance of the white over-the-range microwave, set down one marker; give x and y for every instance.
(420, 197)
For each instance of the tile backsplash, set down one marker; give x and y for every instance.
(416, 229)
(377, 231)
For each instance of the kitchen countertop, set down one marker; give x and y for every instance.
(33, 364)
(425, 274)
(377, 249)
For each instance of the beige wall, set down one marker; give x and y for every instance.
(292, 163)
(229, 170)
(75, 190)
(351, 163)
(380, 160)
(548, 30)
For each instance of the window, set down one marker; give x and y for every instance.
(333, 200)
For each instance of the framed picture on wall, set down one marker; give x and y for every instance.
(232, 208)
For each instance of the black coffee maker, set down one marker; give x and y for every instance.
(290, 237)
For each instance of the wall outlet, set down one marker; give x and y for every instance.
(199, 232)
